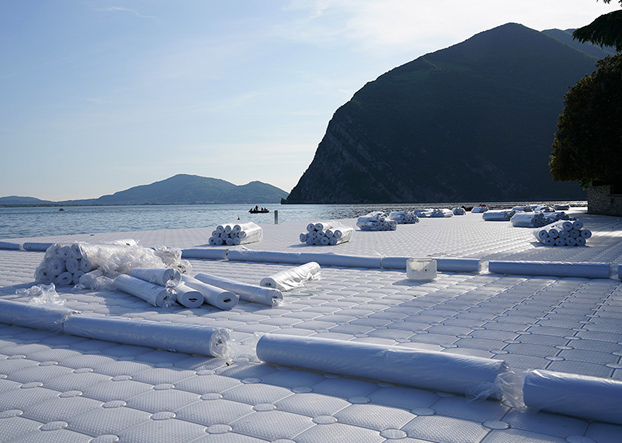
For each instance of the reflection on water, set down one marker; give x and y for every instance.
(44, 221)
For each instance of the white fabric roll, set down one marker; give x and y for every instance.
(350, 261)
(204, 253)
(188, 297)
(55, 266)
(250, 293)
(292, 278)
(559, 269)
(497, 215)
(9, 245)
(586, 233)
(49, 318)
(193, 339)
(36, 246)
(263, 256)
(153, 294)
(456, 373)
(581, 396)
(63, 279)
(218, 297)
(72, 265)
(77, 276)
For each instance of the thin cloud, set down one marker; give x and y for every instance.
(127, 10)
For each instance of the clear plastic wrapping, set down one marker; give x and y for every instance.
(404, 217)
(153, 294)
(292, 278)
(376, 221)
(326, 234)
(46, 316)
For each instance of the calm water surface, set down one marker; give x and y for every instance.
(44, 221)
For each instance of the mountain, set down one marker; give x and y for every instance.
(472, 122)
(180, 189)
(566, 37)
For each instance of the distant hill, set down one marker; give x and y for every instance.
(472, 122)
(566, 37)
(180, 189)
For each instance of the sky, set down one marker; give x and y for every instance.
(97, 96)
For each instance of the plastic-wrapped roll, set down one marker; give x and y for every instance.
(158, 276)
(55, 266)
(77, 276)
(49, 318)
(303, 237)
(193, 339)
(580, 241)
(292, 278)
(311, 227)
(72, 265)
(63, 279)
(204, 253)
(217, 297)
(558, 269)
(85, 265)
(263, 256)
(251, 293)
(577, 224)
(188, 297)
(153, 294)
(9, 245)
(456, 373)
(323, 226)
(350, 261)
(581, 396)
(541, 234)
(36, 246)
(586, 233)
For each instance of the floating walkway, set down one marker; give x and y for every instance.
(499, 297)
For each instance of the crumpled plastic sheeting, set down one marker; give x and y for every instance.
(376, 221)
(404, 217)
(176, 337)
(42, 295)
(67, 264)
(581, 396)
(455, 373)
(292, 278)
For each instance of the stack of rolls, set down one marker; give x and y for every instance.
(458, 211)
(423, 213)
(376, 221)
(536, 219)
(503, 215)
(67, 264)
(326, 234)
(563, 233)
(404, 217)
(236, 234)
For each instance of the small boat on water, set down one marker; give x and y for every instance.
(258, 210)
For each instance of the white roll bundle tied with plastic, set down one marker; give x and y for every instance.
(193, 339)
(376, 221)
(236, 234)
(155, 295)
(582, 396)
(441, 213)
(326, 234)
(212, 295)
(251, 293)
(458, 211)
(563, 233)
(404, 217)
(536, 219)
(455, 373)
(164, 277)
(498, 215)
(292, 278)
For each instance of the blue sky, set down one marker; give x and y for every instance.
(99, 96)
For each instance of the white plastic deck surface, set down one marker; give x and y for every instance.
(62, 388)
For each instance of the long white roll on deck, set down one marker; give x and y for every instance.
(459, 374)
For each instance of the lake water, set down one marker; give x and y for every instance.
(43, 221)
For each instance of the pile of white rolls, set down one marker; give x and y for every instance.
(376, 221)
(67, 264)
(563, 233)
(404, 217)
(479, 209)
(503, 215)
(236, 234)
(292, 278)
(250, 293)
(458, 211)
(326, 234)
(536, 219)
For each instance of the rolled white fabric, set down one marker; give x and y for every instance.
(36, 246)
(586, 233)
(9, 245)
(204, 253)
(77, 276)
(72, 265)
(55, 266)
(456, 373)
(263, 256)
(193, 339)
(212, 295)
(582, 396)
(85, 265)
(188, 297)
(63, 279)
(497, 215)
(251, 293)
(559, 269)
(159, 276)
(292, 278)
(49, 318)
(350, 261)
(153, 294)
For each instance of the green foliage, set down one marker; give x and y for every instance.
(588, 143)
(606, 30)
